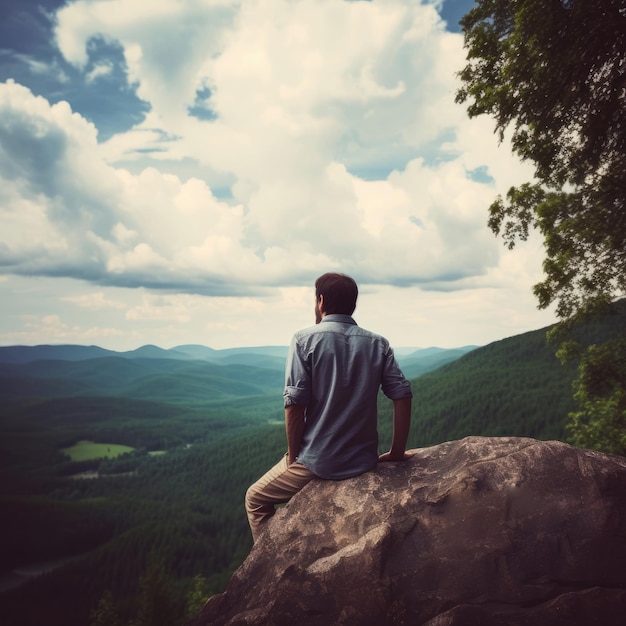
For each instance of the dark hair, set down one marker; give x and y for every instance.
(340, 293)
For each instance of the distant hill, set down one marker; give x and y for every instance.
(414, 361)
(172, 381)
(27, 354)
(186, 376)
(425, 360)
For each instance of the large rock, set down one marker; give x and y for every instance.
(482, 531)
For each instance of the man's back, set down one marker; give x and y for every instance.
(336, 369)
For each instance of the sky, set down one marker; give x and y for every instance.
(180, 171)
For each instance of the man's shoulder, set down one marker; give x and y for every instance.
(333, 326)
(307, 331)
(310, 333)
(329, 323)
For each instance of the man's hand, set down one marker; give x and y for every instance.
(389, 457)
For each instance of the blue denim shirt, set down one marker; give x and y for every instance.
(336, 369)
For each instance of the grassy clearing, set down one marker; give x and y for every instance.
(88, 450)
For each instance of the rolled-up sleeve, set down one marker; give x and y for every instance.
(297, 376)
(394, 384)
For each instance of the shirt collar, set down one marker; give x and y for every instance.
(338, 317)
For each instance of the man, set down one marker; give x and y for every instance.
(333, 374)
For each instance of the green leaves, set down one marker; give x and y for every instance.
(601, 395)
(515, 218)
(106, 613)
(553, 72)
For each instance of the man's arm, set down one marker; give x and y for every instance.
(294, 425)
(401, 425)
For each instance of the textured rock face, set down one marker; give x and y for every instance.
(482, 531)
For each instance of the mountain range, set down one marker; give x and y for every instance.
(185, 374)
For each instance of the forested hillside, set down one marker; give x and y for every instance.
(172, 509)
(512, 387)
(515, 386)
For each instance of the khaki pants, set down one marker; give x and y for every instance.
(277, 486)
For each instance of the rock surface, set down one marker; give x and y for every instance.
(481, 531)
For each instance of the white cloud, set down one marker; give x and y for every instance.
(39, 329)
(162, 46)
(153, 307)
(335, 125)
(297, 87)
(95, 300)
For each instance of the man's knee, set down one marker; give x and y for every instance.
(252, 498)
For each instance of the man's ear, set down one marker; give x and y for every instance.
(320, 303)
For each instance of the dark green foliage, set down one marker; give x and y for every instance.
(106, 613)
(197, 595)
(600, 387)
(41, 529)
(186, 505)
(157, 606)
(601, 395)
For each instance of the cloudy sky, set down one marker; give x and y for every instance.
(180, 171)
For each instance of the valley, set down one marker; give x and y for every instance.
(112, 465)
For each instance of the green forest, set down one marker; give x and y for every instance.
(166, 520)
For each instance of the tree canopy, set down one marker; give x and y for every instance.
(553, 73)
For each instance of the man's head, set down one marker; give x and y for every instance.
(335, 293)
